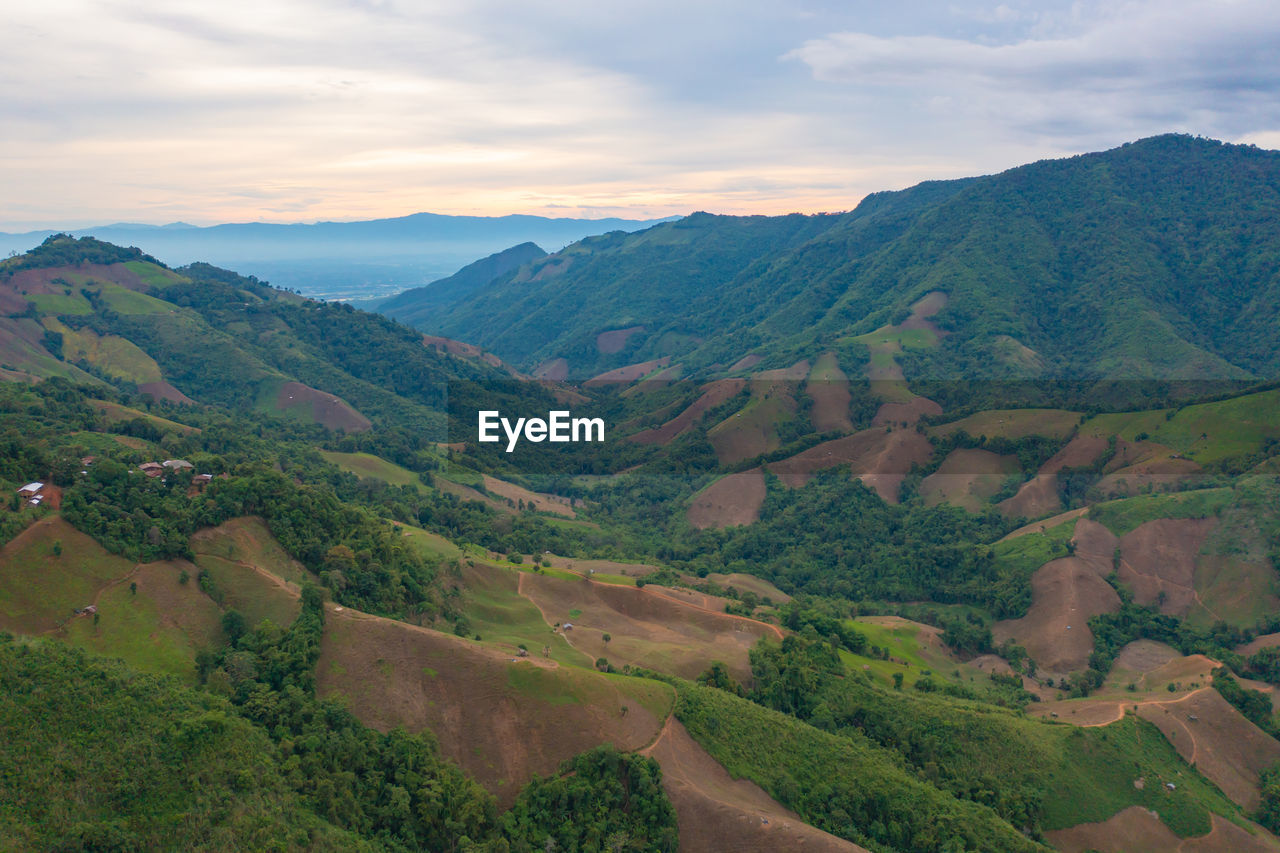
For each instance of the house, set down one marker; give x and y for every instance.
(151, 469)
(177, 464)
(202, 479)
(30, 490)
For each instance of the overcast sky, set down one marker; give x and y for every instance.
(302, 110)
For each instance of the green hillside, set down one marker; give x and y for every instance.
(1153, 259)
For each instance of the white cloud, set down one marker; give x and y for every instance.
(309, 109)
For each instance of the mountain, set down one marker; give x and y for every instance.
(803, 597)
(376, 257)
(1155, 259)
(415, 306)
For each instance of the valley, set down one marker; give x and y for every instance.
(915, 527)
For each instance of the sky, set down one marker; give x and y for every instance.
(309, 110)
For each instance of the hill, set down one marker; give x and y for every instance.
(377, 257)
(416, 306)
(1162, 241)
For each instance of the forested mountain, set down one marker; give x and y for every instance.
(1159, 258)
(417, 306)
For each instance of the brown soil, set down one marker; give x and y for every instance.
(555, 370)
(750, 583)
(164, 391)
(927, 306)
(1144, 467)
(732, 500)
(1137, 830)
(502, 721)
(608, 343)
(41, 280)
(1145, 656)
(610, 567)
(795, 373)
(967, 478)
(467, 493)
(905, 414)
(1158, 559)
(1046, 524)
(1096, 545)
(716, 812)
(467, 351)
(330, 411)
(1039, 495)
(713, 394)
(1064, 594)
(746, 363)
(830, 395)
(991, 664)
(628, 374)
(1266, 641)
(541, 502)
(880, 458)
(1227, 749)
(647, 627)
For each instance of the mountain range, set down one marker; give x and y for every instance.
(342, 259)
(263, 587)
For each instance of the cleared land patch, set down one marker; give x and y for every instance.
(968, 478)
(1013, 423)
(713, 394)
(501, 720)
(732, 500)
(646, 628)
(881, 458)
(828, 387)
(293, 399)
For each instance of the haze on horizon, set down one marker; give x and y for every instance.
(292, 111)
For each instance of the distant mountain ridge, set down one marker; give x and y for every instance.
(1156, 259)
(337, 259)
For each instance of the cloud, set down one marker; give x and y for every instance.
(1209, 67)
(336, 109)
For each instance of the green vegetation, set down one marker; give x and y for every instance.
(601, 800)
(1123, 516)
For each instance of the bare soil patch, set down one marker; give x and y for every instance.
(1096, 545)
(467, 351)
(328, 410)
(1137, 830)
(828, 387)
(905, 414)
(628, 374)
(1039, 495)
(732, 500)
(540, 501)
(1064, 594)
(713, 394)
(1265, 641)
(717, 812)
(1227, 749)
(1046, 524)
(967, 478)
(164, 391)
(646, 627)
(502, 721)
(750, 583)
(554, 370)
(613, 341)
(1158, 559)
(746, 363)
(1145, 466)
(880, 458)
